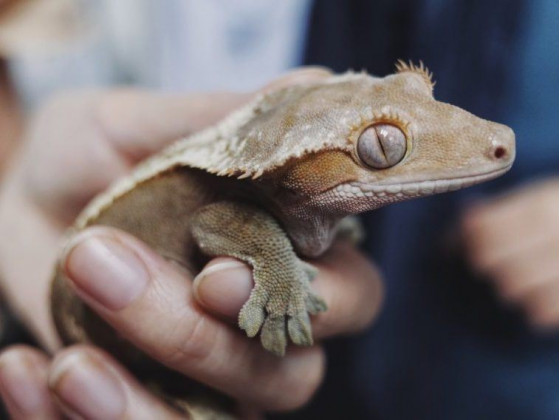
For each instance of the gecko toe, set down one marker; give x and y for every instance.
(315, 304)
(251, 317)
(273, 335)
(299, 329)
(310, 270)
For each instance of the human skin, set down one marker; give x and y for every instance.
(10, 117)
(75, 147)
(512, 241)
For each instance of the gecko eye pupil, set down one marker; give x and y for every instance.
(381, 145)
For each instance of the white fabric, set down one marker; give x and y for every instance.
(175, 45)
(225, 44)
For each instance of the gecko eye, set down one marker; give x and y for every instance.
(381, 146)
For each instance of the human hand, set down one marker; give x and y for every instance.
(202, 347)
(513, 240)
(163, 314)
(77, 147)
(81, 382)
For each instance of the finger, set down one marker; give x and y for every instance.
(530, 280)
(347, 282)
(223, 287)
(140, 123)
(500, 227)
(520, 271)
(523, 204)
(352, 288)
(150, 302)
(487, 248)
(23, 384)
(89, 384)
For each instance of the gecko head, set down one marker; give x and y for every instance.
(396, 142)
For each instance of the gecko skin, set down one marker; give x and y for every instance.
(271, 182)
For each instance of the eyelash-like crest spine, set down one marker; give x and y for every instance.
(402, 66)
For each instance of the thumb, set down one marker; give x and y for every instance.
(223, 286)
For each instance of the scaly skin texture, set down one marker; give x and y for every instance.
(271, 183)
(281, 298)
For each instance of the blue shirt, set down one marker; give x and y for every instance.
(444, 346)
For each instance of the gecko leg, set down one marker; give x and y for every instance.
(281, 301)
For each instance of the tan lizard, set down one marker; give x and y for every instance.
(271, 182)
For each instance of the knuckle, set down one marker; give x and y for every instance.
(191, 340)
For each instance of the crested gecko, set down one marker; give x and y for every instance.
(272, 182)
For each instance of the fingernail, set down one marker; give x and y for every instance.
(106, 270)
(87, 388)
(21, 383)
(224, 286)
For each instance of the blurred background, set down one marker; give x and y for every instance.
(447, 344)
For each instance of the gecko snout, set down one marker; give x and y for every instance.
(503, 145)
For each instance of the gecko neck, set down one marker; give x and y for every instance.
(311, 233)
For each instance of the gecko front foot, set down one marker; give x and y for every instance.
(281, 301)
(279, 308)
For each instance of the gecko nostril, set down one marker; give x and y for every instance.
(499, 152)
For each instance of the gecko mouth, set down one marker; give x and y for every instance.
(414, 189)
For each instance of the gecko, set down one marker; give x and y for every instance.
(272, 183)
